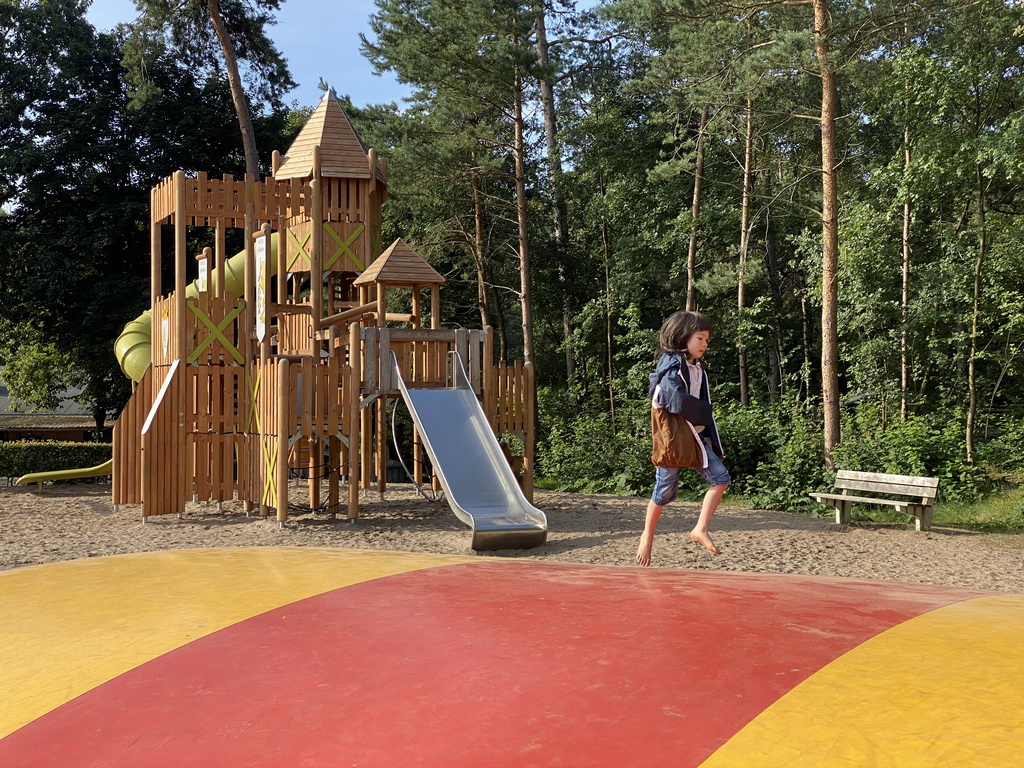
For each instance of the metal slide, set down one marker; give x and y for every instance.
(474, 474)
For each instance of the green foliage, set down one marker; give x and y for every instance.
(17, 459)
(774, 453)
(187, 30)
(930, 447)
(1005, 450)
(586, 453)
(74, 182)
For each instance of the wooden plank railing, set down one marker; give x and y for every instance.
(423, 358)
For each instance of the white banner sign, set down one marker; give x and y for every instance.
(261, 288)
(204, 276)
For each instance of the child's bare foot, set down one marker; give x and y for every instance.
(643, 552)
(705, 541)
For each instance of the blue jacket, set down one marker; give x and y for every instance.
(674, 395)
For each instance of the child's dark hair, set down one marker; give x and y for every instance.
(677, 330)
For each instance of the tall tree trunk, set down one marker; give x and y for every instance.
(805, 313)
(501, 328)
(905, 296)
(979, 263)
(771, 254)
(554, 162)
(829, 237)
(607, 252)
(524, 241)
(775, 377)
(479, 257)
(698, 183)
(741, 277)
(252, 162)
(99, 417)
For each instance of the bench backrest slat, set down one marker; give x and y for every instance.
(903, 485)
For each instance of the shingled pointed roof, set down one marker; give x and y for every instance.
(342, 154)
(399, 265)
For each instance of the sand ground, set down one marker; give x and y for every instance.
(65, 522)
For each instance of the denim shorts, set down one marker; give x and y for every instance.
(666, 479)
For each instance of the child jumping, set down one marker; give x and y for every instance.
(683, 427)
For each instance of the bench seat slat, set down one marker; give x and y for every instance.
(889, 488)
(867, 500)
(878, 477)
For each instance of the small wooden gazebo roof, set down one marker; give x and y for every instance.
(342, 153)
(400, 265)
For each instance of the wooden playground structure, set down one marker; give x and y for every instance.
(280, 360)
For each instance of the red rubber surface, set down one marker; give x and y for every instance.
(489, 664)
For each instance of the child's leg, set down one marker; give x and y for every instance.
(666, 484)
(717, 478)
(643, 552)
(699, 534)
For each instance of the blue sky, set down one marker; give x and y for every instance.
(315, 41)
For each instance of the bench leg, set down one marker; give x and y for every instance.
(923, 518)
(843, 512)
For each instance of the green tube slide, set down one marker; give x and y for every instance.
(133, 347)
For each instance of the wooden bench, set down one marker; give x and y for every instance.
(918, 494)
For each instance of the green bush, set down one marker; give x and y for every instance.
(1005, 449)
(917, 446)
(585, 453)
(17, 459)
(774, 453)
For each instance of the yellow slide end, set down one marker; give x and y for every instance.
(101, 470)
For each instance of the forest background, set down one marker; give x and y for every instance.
(836, 183)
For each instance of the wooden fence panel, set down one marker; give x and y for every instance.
(163, 450)
(126, 479)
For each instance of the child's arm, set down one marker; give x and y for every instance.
(672, 395)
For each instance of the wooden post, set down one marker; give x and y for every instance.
(283, 429)
(155, 257)
(246, 334)
(529, 429)
(417, 309)
(382, 445)
(334, 449)
(316, 276)
(488, 376)
(382, 305)
(249, 314)
(179, 266)
(366, 448)
(371, 156)
(314, 466)
(354, 380)
(435, 307)
(417, 457)
(282, 271)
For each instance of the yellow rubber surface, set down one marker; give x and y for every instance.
(68, 627)
(943, 689)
